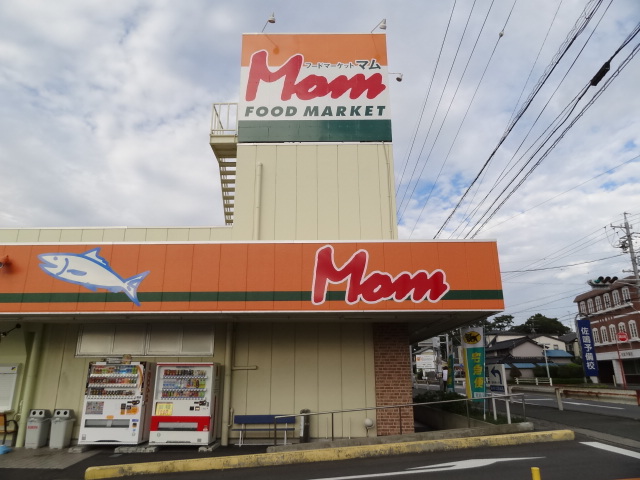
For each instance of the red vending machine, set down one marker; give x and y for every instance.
(115, 408)
(185, 404)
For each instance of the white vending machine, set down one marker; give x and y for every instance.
(115, 404)
(185, 404)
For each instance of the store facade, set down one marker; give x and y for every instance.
(306, 299)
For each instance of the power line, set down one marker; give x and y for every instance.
(455, 138)
(565, 192)
(503, 175)
(559, 138)
(424, 103)
(562, 266)
(578, 28)
(444, 87)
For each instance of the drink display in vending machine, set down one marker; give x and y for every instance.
(185, 404)
(115, 409)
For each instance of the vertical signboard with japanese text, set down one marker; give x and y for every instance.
(472, 340)
(589, 360)
(314, 88)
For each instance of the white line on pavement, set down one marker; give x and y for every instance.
(609, 448)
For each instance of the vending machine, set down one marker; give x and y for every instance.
(115, 408)
(185, 404)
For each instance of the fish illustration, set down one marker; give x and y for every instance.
(91, 271)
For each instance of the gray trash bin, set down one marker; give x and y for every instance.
(61, 428)
(38, 426)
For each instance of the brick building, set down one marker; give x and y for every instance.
(612, 306)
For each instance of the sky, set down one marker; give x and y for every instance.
(106, 107)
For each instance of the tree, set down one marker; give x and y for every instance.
(500, 322)
(538, 323)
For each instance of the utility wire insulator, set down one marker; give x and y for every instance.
(604, 69)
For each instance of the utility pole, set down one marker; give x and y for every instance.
(626, 244)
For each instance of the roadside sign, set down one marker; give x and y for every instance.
(426, 361)
(623, 337)
(497, 378)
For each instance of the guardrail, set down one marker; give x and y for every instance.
(535, 381)
(506, 397)
(625, 397)
(224, 119)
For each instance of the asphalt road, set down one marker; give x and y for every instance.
(592, 421)
(556, 461)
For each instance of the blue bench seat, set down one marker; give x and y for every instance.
(263, 423)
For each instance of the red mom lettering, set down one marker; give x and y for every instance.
(311, 86)
(377, 286)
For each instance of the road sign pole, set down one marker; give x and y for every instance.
(624, 380)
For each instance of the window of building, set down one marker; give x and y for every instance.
(616, 297)
(607, 300)
(596, 335)
(622, 327)
(613, 332)
(590, 305)
(598, 304)
(633, 329)
(603, 333)
(626, 294)
(583, 307)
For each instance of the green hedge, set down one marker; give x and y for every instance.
(570, 370)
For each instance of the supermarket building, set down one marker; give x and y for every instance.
(306, 297)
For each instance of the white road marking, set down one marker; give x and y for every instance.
(592, 405)
(442, 467)
(609, 448)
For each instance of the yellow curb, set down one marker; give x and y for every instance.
(323, 455)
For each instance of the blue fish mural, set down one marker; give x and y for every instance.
(91, 271)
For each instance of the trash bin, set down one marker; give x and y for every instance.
(61, 428)
(38, 426)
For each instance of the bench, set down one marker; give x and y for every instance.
(263, 423)
(8, 427)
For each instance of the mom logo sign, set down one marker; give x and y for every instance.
(314, 88)
(376, 286)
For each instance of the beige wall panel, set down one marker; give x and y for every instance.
(328, 201)
(353, 378)
(306, 362)
(158, 234)
(94, 235)
(286, 196)
(49, 235)
(369, 371)
(349, 196)
(371, 188)
(9, 235)
(259, 381)
(114, 235)
(388, 192)
(267, 156)
(329, 378)
(307, 193)
(177, 235)
(71, 387)
(49, 369)
(244, 195)
(28, 235)
(218, 234)
(135, 235)
(283, 369)
(71, 235)
(240, 378)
